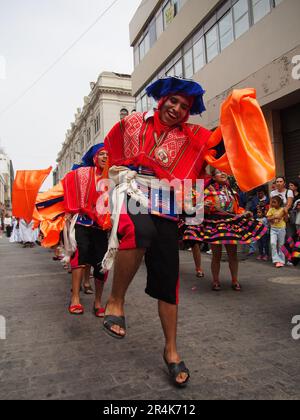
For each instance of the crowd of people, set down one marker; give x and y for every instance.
(140, 155)
(279, 212)
(19, 231)
(5, 221)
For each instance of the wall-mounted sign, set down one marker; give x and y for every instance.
(169, 14)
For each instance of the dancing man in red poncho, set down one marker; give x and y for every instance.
(149, 147)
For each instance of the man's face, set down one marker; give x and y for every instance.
(174, 110)
(102, 158)
(280, 184)
(220, 177)
(261, 195)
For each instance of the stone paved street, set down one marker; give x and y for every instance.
(236, 345)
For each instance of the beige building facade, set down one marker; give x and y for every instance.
(110, 100)
(7, 176)
(226, 45)
(2, 190)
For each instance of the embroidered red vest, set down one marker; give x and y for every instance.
(174, 155)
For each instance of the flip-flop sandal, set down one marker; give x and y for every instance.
(216, 287)
(73, 309)
(99, 312)
(175, 369)
(236, 287)
(88, 290)
(199, 274)
(110, 321)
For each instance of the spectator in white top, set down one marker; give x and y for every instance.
(281, 191)
(8, 225)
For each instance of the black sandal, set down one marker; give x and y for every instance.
(216, 287)
(236, 287)
(110, 321)
(175, 369)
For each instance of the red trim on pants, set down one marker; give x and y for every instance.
(104, 279)
(74, 262)
(126, 230)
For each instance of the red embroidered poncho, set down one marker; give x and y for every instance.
(176, 154)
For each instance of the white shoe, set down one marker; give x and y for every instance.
(209, 252)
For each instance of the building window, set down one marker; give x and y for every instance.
(170, 72)
(260, 9)
(199, 55)
(144, 103)
(152, 33)
(136, 56)
(159, 24)
(241, 18)
(144, 46)
(123, 113)
(188, 64)
(139, 105)
(178, 69)
(97, 124)
(81, 144)
(88, 136)
(212, 43)
(226, 31)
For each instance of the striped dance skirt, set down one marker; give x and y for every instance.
(291, 249)
(227, 230)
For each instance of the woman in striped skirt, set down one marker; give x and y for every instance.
(225, 223)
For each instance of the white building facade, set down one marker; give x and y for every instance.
(110, 100)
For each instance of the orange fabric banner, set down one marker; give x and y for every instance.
(25, 189)
(51, 211)
(249, 152)
(51, 231)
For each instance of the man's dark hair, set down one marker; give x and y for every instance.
(296, 183)
(261, 189)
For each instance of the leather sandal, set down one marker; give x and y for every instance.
(236, 287)
(199, 273)
(99, 312)
(216, 287)
(175, 369)
(110, 321)
(76, 309)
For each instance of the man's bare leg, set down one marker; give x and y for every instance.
(99, 286)
(168, 315)
(86, 278)
(76, 283)
(126, 265)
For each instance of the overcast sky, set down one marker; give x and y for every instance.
(33, 34)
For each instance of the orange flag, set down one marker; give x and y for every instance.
(249, 153)
(25, 189)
